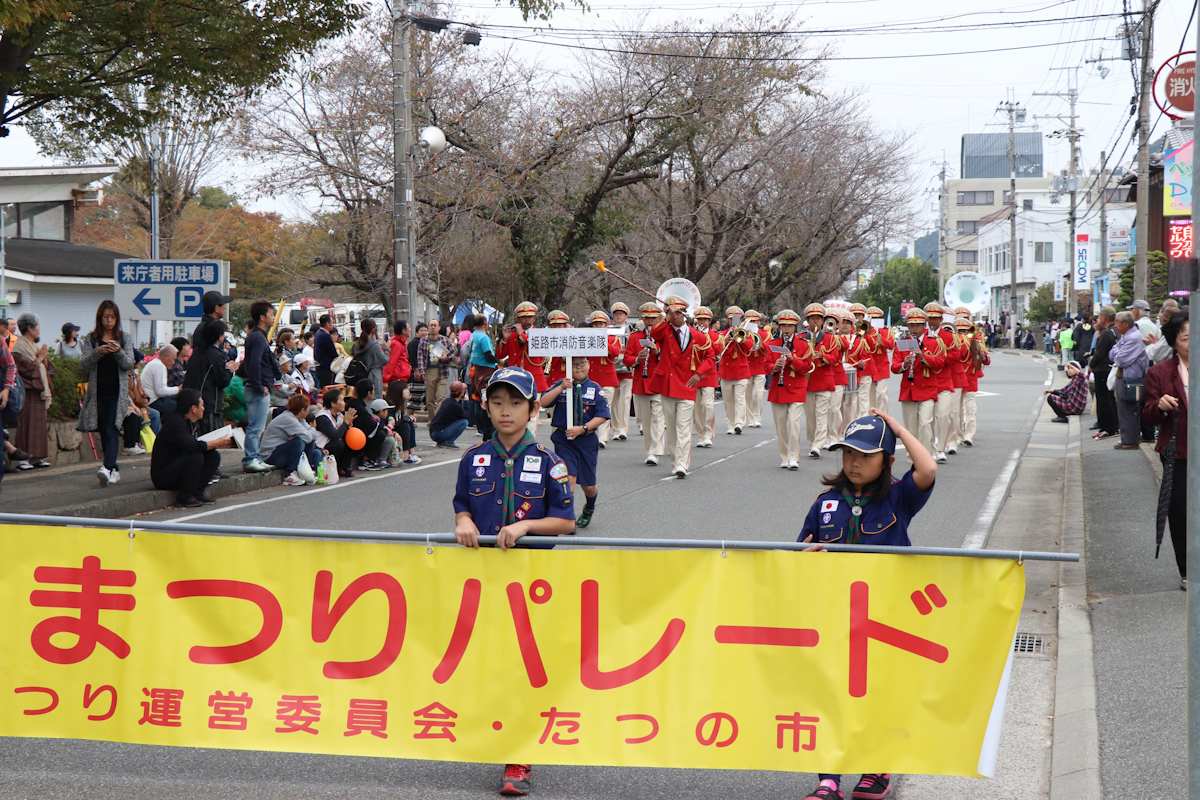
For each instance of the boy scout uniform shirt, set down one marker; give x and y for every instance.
(498, 489)
(880, 522)
(589, 404)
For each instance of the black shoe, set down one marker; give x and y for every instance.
(447, 445)
(1095, 427)
(1059, 419)
(188, 502)
(205, 497)
(737, 431)
(585, 518)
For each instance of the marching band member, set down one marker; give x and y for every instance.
(947, 400)
(686, 357)
(788, 385)
(706, 392)
(860, 351)
(641, 354)
(620, 401)
(578, 445)
(885, 344)
(760, 365)
(733, 364)
(513, 351)
(958, 369)
(604, 369)
(976, 359)
(834, 321)
(556, 367)
(821, 381)
(918, 371)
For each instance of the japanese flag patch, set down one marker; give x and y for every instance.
(828, 506)
(482, 460)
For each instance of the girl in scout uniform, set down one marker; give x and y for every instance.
(512, 487)
(864, 504)
(578, 446)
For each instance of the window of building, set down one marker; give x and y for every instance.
(967, 257)
(976, 198)
(1027, 205)
(1043, 252)
(43, 221)
(10, 220)
(967, 226)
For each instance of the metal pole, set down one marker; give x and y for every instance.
(575, 541)
(1012, 223)
(404, 248)
(1073, 294)
(154, 231)
(1141, 269)
(1193, 531)
(1103, 267)
(3, 267)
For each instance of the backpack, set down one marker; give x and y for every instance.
(355, 371)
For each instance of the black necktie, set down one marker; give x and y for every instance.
(679, 337)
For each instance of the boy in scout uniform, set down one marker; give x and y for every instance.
(578, 445)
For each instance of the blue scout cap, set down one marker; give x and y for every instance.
(515, 377)
(868, 435)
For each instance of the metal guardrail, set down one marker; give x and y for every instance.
(444, 538)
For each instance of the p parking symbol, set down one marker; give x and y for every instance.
(189, 301)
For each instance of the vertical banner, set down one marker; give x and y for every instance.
(1060, 291)
(1081, 267)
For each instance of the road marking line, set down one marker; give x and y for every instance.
(991, 504)
(393, 473)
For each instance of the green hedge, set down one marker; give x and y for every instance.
(65, 405)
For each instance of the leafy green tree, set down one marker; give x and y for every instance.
(1158, 281)
(901, 280)
(1043, 306)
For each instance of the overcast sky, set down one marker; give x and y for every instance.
(936, 99)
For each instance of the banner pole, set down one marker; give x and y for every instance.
(563, 541)
(569, 380)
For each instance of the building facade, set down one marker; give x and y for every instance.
(968, 205)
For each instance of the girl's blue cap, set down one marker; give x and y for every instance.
(868, 434)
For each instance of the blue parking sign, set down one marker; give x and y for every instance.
(188, 302)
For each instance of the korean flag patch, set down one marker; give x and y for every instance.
(482, 460)
(828, 506)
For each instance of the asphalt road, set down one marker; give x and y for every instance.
(735, 491)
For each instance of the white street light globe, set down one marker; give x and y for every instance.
(432, 139)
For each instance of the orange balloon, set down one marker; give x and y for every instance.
(356, 439)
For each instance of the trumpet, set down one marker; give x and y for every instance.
(738, 335)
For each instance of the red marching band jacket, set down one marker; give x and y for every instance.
(794, 386)
(735, 357)
(676, 367)
(885, 343)
(712, 379)
(859, 349)
(604, 368)
(924, 384)
(762, 360)
(827, 356)
(953, 352)
(974, 371)
(515, 345)
(645, 376)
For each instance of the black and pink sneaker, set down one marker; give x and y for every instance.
(873, 787)
(517, 780)
(823, 792)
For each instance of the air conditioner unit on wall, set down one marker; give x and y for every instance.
(87, 197)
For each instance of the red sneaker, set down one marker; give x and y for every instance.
(517, 780)
(873, 787)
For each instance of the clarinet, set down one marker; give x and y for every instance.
(647, 342)
(789, 344)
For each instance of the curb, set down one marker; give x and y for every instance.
(128, 505)
(1075, 747)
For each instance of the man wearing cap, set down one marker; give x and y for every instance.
(514, 351)
(918, 369)
(788, 386)
(604, 370)
(734, 369)
(947, 401)
(760, 364)
(860, 349)
(686, 356)
(214, 304)
(885, 343)
(641, 355)
(705, 420)
(624, 392)
(976, 359)
(827, 354)
(839, 322)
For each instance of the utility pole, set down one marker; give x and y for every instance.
(943, 266)
(1103, 179)
(1193, 535)
(154, 232)
(1141, 269)
(1072, 134)
(403, 246)
(1015, 114)
(3, 265)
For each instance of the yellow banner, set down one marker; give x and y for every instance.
(725, 660)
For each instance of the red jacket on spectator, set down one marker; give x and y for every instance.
(1164, 378)
(398, 367)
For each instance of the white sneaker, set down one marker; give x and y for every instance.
(114, 475)
(257, 465)
(413, 459)
(104, 476)
(784, 464)
(293, 480)
(814, 453)
(136, 450)
(941, 458)
(952, 450)
(652, 461)
(680, 473)
(793, 465)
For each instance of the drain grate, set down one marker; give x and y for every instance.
(1029, 643)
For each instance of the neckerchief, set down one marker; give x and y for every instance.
(856, 506)
(510, 460)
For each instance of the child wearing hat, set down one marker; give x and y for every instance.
(864, 504)
(511, 487)
(578, 445)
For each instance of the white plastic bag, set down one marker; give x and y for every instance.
(331, 470)
(305, 471)
(1111, 381)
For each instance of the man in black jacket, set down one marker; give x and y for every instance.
(324, 353)
(260, 373)
(1106, 404)
(180, 462)
(214, 304)
(1082, 335)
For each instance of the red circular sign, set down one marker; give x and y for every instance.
(1181, 87)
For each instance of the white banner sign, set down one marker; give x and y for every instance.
(568, 341)
(1081, 266)
(1060, 291)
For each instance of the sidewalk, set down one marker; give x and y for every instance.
(1139, 621)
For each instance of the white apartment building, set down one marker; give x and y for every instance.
(1041, 244)
(967, 205)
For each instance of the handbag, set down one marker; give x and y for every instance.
(1131, 391)
(146, 434)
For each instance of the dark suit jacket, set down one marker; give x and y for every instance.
(1163, 378)
(1100, 363)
